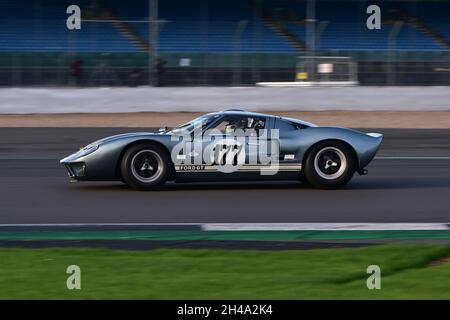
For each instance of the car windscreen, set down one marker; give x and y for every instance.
(201, 122)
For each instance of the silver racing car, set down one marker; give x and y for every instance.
(231, 145)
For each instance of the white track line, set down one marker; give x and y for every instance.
(321, 226)
(29, 158)
(412, 158)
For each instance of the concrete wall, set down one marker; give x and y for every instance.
(205, 99)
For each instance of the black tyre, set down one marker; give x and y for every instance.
(329, 165)
(145, 166)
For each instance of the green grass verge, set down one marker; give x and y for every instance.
(226, 235)
(222, 274)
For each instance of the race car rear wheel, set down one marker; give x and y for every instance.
(145, 166)
(330, 164)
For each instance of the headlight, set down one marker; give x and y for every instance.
(375, 135)
(88, 149)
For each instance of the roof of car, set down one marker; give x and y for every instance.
(256, 114)
(241, 112)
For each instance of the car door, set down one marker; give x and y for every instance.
(288, 132)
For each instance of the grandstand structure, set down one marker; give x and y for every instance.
(218, 42)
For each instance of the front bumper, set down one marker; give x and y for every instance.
(92, 166)
(76, 170)
(76, 162)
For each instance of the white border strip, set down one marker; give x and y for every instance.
(308, 84)
(412, 158)
(321, 226)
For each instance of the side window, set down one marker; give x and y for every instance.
(284, 125)
(257, 123)
(233, 123)
(226, 123)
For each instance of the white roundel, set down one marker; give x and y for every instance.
(228, 154)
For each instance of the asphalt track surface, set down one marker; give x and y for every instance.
(34, 187)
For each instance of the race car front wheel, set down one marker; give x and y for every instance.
(145, 166)
(329, 165)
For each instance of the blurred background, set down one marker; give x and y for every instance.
(226, 43)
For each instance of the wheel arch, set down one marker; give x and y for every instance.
(148, 141)
(351, 148)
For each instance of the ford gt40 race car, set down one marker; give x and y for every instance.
(231, 145)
